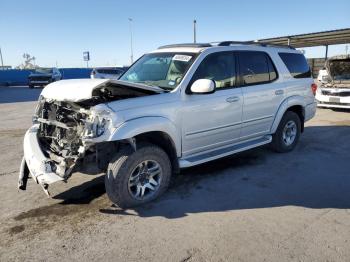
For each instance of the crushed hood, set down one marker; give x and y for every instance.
(77, 90)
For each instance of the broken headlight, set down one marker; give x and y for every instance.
(95, 126)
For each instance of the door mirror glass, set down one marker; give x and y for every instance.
(203, 86)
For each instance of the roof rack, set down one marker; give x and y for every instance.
(228, 43)
(185, 45)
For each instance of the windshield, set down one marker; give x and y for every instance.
(340, 69)
(164, 70)
(43, 70)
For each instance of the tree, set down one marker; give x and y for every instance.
(29, 62)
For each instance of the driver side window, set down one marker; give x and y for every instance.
(219, 67)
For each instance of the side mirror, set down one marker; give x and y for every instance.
(203, 86)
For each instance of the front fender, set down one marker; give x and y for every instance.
(287, 103)
(137, 126)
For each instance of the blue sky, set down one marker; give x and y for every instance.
(59, 31)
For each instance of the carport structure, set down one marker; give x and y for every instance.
(325, 38)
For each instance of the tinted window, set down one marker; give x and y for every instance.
(256, 68)
(296, 64)
(219, 67)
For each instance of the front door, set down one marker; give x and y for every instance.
(211, 121)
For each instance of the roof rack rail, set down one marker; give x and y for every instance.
(228, 43)
(186, 45)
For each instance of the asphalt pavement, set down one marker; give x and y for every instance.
(254, 206)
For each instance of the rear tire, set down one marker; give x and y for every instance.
(131, 175)
(287, 134)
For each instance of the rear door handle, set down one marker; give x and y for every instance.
(279, 92)
(232, 99)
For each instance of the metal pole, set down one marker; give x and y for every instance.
(2, 62)
(194, 31)
(326, 56)
(131, 48)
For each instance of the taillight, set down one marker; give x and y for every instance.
(313, 88)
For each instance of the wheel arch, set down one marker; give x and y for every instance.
(295, 104)
(156, 130)
(164, 141)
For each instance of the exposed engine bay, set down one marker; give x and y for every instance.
(338, 68)
(61, 129)
(65, 127)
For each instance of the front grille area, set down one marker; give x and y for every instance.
(341, 94)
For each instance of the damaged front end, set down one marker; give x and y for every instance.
(61, 135)
(71, 125)
(62, 129)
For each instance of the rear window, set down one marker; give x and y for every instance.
(296, 64)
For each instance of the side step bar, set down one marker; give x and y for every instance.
(222, 152)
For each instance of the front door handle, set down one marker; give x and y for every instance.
(232, 99)
(279, 92)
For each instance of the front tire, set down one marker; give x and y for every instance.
(287, 134)
(137, 177)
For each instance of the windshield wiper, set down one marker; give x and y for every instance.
(167, 89)
(153, 85)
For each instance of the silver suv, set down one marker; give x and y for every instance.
(176, 107)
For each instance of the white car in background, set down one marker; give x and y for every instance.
(107, 72)
(335, 92)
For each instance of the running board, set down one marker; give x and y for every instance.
(219, 153)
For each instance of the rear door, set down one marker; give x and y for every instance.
(262, 92)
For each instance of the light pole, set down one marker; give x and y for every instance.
(2, 62)
(194, 31)
(131, 48)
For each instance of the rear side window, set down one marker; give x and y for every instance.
(256, 68)
(296, 64)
